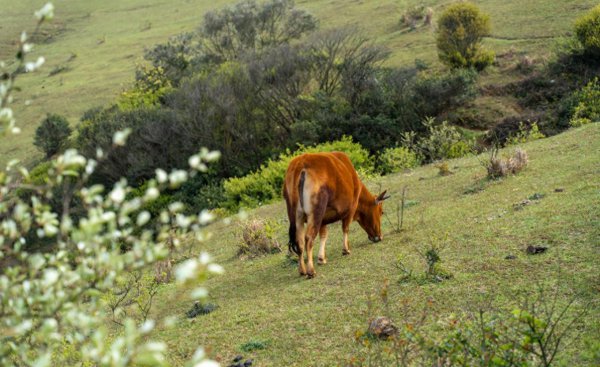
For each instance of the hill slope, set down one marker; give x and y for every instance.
(98, 44)
(312, 322)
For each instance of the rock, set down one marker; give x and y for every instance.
(510, 257)
(559, 189)
(248, 363)
(533, 250)
(382, 327)
(238, 358)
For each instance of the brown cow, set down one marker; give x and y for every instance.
(322, 188)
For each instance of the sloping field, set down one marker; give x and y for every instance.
(313, 322)
(97, 44)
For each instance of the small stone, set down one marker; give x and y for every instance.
(534, 250)
(382, 327)
(559, 189)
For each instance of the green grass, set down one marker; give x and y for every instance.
(108, 39)
(304, 322)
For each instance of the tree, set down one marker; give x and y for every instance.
(461, 28)
(52, 135)
(52, 300)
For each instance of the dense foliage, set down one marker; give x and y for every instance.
(587, 29)
(461, 27)
(52, 135)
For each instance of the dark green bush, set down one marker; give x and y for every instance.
(587, 29)
(461, 27)
(52, 135)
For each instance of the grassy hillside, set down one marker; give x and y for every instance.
(98, 43)
(312, 322)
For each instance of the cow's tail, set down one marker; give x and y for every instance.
(293, 244)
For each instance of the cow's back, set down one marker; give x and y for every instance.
(332, 172)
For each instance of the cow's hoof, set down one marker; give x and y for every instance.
(345, 252)
(321, 261)
(302, 273)
(311, 275)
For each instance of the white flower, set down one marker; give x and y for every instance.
(27, 47)
(152, 193)
(147, 327)
(206, 217)
(143, 218)
(120, 137)
(194, 161)
(207, 363)
(212, 156)
(215, 268)
(161, 175)
(204, 258)
(46, 12)
(32, 66)
(186, 270)
(117, 195)
(177, 177)
(199, 293)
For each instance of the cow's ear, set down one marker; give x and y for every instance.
(382, 197)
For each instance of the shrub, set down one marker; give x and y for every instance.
(396, 159)
(435, 93)
(461, 28)
(527, 132)
(412, 16)
(52, 135)
(501, 167)
(258, 238)
(264, 185)
(586, 104)
(587, 30)
(150, 86)
(441, 142)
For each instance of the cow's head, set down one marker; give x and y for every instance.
(369, 216)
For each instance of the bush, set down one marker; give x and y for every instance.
(396, 159)
(150, 86)
(441, 142)
(265, 184)
(586, 104)
(258, 238)
(412, 16)
(461, 28)
(52, 135)
(527, 132)
(587, 29)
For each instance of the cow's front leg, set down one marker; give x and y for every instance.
(323, 235)
(345, 230)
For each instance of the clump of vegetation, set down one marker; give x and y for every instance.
(200, 308)
(526, 133)
(442, 141)
(533, 334)
(253, 345)
(413, 16)
(587, 30)
(443, 168)
(431, 256)
(52, 136)
(586, 104)
(461, 27)
(258, 237)
(498, 167)
(393, 160)
(151, 84)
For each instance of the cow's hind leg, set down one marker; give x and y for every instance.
(313, 227)
(323, 235)
(300, 237)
